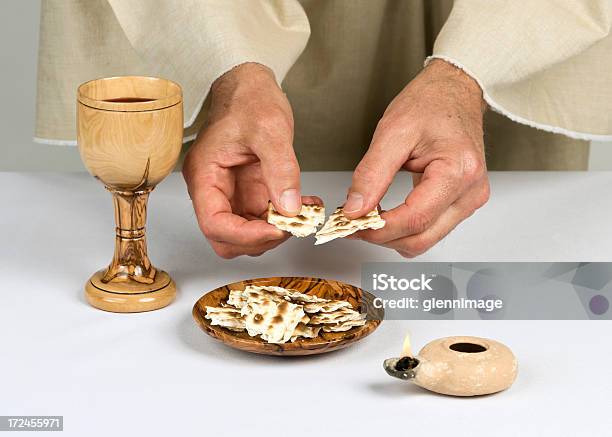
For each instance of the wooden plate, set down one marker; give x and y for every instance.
(325, 342)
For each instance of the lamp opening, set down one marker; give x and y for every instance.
(468, 348)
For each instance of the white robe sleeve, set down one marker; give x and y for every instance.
(192, 42)
(543, 63)
(196, 41)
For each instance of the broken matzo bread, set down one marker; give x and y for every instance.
(303, 224)
(229, 318)
(270, 316)
(326, 307)
(343, 326)
(289, 294)
(338, 316)
(237, 298)
(306, 331)
(301, 298)
(338, 225)
(279, 315)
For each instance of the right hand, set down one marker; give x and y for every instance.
(242, 158)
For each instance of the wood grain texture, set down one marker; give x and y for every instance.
(127, 149)
(115, 298)
(326, 341)
(142, 93)
(130, 132)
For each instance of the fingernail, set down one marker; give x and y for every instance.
(290, 201)
(354, 202)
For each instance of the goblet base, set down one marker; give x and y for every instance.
(130, 297)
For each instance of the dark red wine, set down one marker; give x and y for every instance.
(129, 100)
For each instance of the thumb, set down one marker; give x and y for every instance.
(372, 178)
(281, 173)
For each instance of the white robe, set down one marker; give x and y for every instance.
(542, 63)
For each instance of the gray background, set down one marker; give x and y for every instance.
(18, 50)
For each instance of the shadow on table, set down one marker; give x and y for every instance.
(397, 389)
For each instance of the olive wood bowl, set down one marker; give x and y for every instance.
(360, 299)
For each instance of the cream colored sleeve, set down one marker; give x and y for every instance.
(196, 41)
(544, 63)
(192, 42)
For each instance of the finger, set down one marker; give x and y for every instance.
(312, 200)
(374, 174)
(229, 251)
(231, 228)
(216, 220)
(416, 178)
(415, 245)
(418, 244)
(306, 200)
(439, 188)
(281, 174)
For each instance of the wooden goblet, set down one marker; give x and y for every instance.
(130, 132)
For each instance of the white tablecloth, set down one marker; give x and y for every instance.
(158, 374)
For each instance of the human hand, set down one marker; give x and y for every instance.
(432, 128)
(242, 158)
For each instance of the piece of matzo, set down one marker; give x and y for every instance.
(303, 224)
(338, 316)
(229, 318)
(338, 225)
(344, 326)
(326, 307)
(305, 331)
(288, 293)
(271, 316)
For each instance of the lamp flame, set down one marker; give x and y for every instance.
(407, 347)
(405, 366)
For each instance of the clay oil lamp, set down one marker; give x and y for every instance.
(457, 366)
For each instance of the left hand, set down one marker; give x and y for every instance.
(242, 157)
(432, 128)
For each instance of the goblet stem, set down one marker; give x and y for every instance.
(130, 261)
